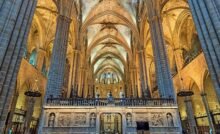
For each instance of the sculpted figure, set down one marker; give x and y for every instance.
(51, 120)
(93, 119)
(129, 119)
(170, 119)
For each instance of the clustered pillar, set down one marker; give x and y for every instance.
(75, 74)
(211, 122)
(143, 72)
(28, 115)
(190, 116)
(164, 79)
(12, 111)
(15, 22)
(207, 21)
(58, 60)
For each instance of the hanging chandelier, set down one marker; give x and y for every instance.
(33, 91)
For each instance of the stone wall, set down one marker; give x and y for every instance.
(78, 120)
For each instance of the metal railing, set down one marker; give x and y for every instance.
(120, 102)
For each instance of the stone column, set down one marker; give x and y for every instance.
(164, 79)
(147, 89)
(29, 113)
(81, 82)
(143, 74)
(13, 107)
(190, 116)
(207, 21)
(58, 60)
(134, 81)
(210, 119)
(76, 57)
(15, 22)
(149, 83)
(75, 72)
(124, 123)
(132, 87)
(98, 122)
(85, 83)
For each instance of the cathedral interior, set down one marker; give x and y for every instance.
(105, 65)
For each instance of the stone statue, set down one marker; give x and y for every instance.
(129, 119)
(170, 122)
(93, 119)
(51, 120)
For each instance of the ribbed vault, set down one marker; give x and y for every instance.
(109, 36)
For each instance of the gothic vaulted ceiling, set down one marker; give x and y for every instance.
(111, 32)
(107, 26)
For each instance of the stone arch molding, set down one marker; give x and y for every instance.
(178, 26)
(189, 81)
(204, 75)
(36, 26)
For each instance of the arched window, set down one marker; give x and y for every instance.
(33, 58)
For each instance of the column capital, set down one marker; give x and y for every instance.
(65, 7)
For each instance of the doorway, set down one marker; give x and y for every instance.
(111, 123)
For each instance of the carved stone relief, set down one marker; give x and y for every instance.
(157, 119)
(64, 120)
(79, 119)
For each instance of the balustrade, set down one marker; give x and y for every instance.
(120, 102)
